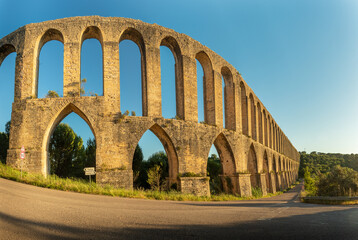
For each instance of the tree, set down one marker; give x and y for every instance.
(52, 94)
(149, 169)
(154, 177)
(214, 170)
(4, 142)
(91, 153)
(66, 152)
(341, 181)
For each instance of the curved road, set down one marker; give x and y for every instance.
(28, 212)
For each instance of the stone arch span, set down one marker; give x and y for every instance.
(187, 142)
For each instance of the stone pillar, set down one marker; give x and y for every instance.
(190, 89)
(218, 100)
(72, 69)
(263, 183)
(111, 86)
(244, 184)
(198, 186)
(273, 181)
(153, 106)
(279, 181)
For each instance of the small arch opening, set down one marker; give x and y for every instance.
(168, 73)
(253, 117)
(92, 62)
(244, 110)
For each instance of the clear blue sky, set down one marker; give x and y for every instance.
(300, 57)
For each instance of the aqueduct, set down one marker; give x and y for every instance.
(254, 152)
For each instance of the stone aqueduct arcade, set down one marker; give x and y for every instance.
(254, 152)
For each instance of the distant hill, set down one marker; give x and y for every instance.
(324, 162)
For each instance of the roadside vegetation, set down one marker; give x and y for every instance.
(83, 186)
(68, 157)
(329, 175)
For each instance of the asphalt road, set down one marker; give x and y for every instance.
(28, 212)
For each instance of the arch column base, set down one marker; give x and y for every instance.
(198, 186)
(244, 184)
(279, 182)
(115, 177)
(29, 164)
(273, 182)
(263, 183)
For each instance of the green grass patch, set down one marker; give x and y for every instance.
(82, 186)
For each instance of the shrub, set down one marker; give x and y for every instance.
(256, 192)
(341, 181)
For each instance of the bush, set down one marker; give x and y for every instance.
(256, 192)
(341, 181)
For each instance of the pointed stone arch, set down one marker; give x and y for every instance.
(252, 167)
(228, 164)
(226, 155)
(266, 170)
(170, 150)
(56, 119)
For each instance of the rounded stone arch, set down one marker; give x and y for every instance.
(55, 120)
(92, 32)
(5, 50)
(229, 98)
(136, 37)
(170, 150)
(260, 134)
(208, 85)
(171, 43)
(253, 116)
(244, 109)
(47, 36)
(252, 167)
(265, 128)
(226, 155)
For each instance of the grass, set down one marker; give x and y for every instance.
(82, 186)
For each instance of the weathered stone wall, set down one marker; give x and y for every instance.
(248, 124)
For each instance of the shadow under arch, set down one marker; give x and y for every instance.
(70, 108)
(227, 161)
(173, 163)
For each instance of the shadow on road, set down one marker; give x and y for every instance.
(341, 224)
